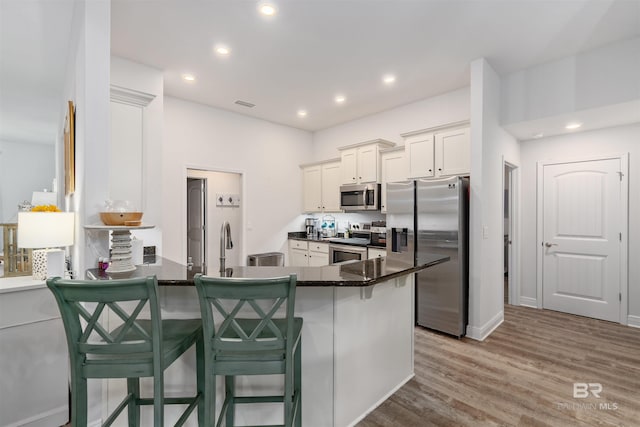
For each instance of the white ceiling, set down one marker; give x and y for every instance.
(314, 49)
(309, 52)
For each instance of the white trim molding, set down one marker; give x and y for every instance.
(128, 96)
(528, 302)
(624, 227)
(633, 321)
(482, 332)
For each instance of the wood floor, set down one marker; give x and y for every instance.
(522, 375)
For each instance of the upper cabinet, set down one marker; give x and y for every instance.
(360, 163)
(442, 151)
(321, 186)
(394, 169)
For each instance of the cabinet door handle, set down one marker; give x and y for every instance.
(440, 169)
(429, 170)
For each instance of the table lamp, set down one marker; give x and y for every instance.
(46, 231)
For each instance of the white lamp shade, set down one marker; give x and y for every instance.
(44, 198)
(45, 229)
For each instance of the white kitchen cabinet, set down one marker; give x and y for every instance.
(318, 254)
(311, 254)
(441, 151)
(321, 186)
(376, 253)
(33, 356)
(360, 163)
(421, 157)
(453, 152)
(331, 187)
(394, 169)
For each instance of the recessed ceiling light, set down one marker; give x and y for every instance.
(223, 50)
(389, 78)
(340, 99)
(537, 135)
(573, 125)
(189, 77)
(267, 9)
(302, 113)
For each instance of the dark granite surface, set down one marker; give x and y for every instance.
(302, 236)
(355, 273)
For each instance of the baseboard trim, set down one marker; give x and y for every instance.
(633, 321)
(482, 332)
(529, 302)
(56, 416)
(379, 402)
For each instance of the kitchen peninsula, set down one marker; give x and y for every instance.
(357, 335)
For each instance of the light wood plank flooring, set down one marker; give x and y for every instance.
(522, 375)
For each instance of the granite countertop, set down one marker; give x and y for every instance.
(339, 240)
(354, 273)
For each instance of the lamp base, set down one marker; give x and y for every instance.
(47, 263)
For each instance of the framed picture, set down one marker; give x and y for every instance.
(70, 151)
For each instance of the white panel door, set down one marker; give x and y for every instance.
(581, 238)
(453, 152)
(312, 189)
(368, 164)
(349, 166)
(420, 153)
(331, 187)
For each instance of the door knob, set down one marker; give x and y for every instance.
(548, 245)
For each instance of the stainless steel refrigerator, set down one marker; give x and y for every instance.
(432, 216)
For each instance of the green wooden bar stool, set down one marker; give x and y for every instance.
(249, 337)
(137, 348)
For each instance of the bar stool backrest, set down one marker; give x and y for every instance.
(82, 303)
(246, 310)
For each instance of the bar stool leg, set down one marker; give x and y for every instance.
(230, 393)
(79, 401)
(200, 382)
(133, 409)
(297, 389)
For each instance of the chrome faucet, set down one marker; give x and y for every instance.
(225, 243)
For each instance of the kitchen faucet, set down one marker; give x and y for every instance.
(225, 243)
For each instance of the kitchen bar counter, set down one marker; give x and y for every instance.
(357, 338)
(359, 273)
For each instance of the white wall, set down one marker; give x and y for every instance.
(490, 144)
(266, 154)
(141, 78)
(592, 79)
(24, 168)
(622, 139)
(438, 110)
(88, 86)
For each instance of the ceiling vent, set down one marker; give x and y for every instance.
(245, 104)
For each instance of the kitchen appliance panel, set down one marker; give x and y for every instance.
(442, 224)
(400, 223)
(341, 253)
(360, 197)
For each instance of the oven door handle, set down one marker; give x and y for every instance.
(364, 198)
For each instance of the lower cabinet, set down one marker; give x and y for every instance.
(308, 254)
(318, 254)
(375, 253)
(33, 356)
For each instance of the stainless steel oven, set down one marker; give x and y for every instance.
(360, 197)
(341, 253)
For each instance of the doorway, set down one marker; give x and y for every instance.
(213, 197)
(582, 243)
(510, 266)
(196, 223)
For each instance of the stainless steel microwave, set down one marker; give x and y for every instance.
(360, 197)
